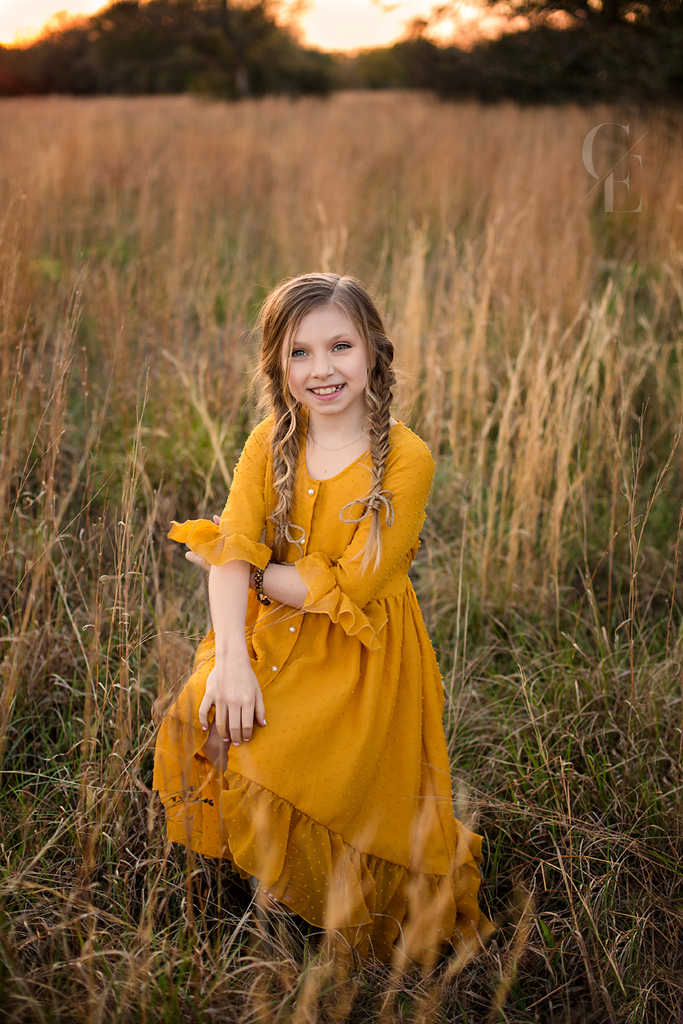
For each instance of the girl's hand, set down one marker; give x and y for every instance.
(234, 690)
(196, 559)
(199, 560)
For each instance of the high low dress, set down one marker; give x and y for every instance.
(342, 805)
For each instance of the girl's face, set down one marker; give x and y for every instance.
(329, 363)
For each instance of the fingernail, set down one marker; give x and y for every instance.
(235, 744)
(247, 738)
(203, 728)
(226, 739)
(264, 722)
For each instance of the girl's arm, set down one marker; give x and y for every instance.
(284, 583)
(231, 684)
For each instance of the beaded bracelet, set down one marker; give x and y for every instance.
(258, 584)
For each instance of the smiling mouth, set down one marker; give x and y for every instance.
(327, 391)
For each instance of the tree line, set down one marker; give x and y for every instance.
(168, 46)
(607, 50)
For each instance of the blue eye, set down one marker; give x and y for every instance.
(342, 345)
(297, 352)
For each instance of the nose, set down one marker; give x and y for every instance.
(322, 365)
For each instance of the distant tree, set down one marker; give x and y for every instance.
(168, 46)
(596, 50)
(655, 14)
(600, 13)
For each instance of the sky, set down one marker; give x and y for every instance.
(328, 24)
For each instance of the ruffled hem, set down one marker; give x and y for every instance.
(326, 597)
(206, 539)
(380, 910)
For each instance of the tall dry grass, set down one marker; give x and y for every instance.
(542, 349)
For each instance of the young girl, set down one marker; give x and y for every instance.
(307, 747)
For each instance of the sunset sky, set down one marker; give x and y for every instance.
(329, 24)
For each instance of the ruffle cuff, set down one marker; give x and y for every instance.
(206, 539)
(326, 596)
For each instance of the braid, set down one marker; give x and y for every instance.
(286, 442)
(381, 379)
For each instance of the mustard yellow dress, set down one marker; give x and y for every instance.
(342, 804)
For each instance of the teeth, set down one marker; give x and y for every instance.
(327, 391)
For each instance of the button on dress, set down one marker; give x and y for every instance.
(342, 805)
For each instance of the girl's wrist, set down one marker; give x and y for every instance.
(236, 651)
(258, 586)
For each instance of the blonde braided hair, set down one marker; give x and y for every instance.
(279, 320)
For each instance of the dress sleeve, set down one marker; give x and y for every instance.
(244, 516)
(339, 588)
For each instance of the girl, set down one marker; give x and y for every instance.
(340, 806)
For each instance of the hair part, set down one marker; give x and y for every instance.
(279, 319)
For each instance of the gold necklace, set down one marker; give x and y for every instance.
(334, 449)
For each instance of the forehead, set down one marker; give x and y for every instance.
(324, 324)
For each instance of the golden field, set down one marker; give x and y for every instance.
(542, 354)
